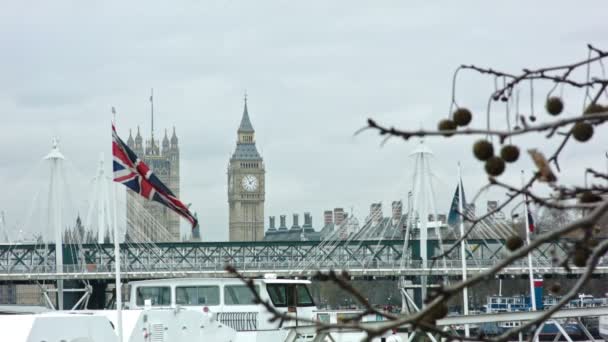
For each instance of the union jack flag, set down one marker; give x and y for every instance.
(137, 176)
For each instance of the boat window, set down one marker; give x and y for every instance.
(159, 295)
(304, 297)
(278, 294)
(239, 295)
(283, 295)
(197, 295)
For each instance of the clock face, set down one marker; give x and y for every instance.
(250, 183)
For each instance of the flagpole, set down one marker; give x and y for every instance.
(463, 256)
(527, 228)
(117, 258)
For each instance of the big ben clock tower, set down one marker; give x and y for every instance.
(246, 186)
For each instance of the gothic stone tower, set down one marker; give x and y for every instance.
(246, 186)
(165, 164)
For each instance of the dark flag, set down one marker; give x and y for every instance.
(454, 215)
(530, 219)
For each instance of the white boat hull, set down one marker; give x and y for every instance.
(162, 325)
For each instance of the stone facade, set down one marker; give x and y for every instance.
(246, 186)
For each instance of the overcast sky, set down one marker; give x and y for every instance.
(314, 72)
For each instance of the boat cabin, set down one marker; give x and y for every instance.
(228, 298)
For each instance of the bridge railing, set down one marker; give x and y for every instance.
(396, 266)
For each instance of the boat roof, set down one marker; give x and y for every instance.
(190, 281)
(22, 309)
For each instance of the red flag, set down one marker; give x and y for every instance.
(137, 176)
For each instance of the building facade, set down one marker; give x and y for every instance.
(246, 186)
(297, 232)
(163, 160)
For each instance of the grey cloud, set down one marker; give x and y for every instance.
(315, 72)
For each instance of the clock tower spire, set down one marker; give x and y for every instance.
(246, 185)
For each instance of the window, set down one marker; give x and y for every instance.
(304, 297)
(278, 294)
(239, 295)
(283, 295)
(159, 295)
(197, 295)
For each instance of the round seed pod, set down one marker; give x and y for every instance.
(509, 153)
(483, 150)
(514, 242)
(554, 105)
(589, 197)
(555, 288)
(495, 166)
(447, 125)
(582, 131)
(594, 108)
(462, 116)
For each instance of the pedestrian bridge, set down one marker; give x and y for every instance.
(22, 262)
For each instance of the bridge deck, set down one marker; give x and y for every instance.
(300, 258)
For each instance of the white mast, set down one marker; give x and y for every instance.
(527, 228)
(55, 158)
(463, 255)
(101, 208)
(117, 281)
(421, 203)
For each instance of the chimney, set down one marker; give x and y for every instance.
(296, 224)
(283, 225)
(307, 220)
(492, 205)
(397, 210)
(328, 217)
(375, 212)
(338, 216)
(272, 223)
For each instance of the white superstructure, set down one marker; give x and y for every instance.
(231, 302)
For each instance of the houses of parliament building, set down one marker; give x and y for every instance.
(155, 222)
(245, 184)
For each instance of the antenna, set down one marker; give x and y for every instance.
(152, 113)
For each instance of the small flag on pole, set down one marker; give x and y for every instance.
(530, 222)
(454, 216)
(530, 219)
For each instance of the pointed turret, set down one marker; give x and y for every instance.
(174, 139)
(246, 126)
(130, 141)
(165, 141)
(138, 138)
(139, 148)
(245, 146)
